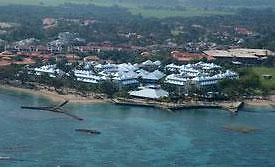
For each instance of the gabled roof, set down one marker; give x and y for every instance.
(150, 76)
(151, 63)
(148, 63)
(125, 75)
(172, 66)
(142, 72)
(158, 74)
(157, 63)
(126, 67)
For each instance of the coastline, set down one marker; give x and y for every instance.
(73, 98)
(260, 103)
(54, 96)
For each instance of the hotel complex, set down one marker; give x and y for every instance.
(136, 78)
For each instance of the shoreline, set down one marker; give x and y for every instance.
(77, 99)
(54, 96)
(261, 103)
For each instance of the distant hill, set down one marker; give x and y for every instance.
(152, 3)
(200, 3)
(194, 3)
(161, 8)
(230, 3)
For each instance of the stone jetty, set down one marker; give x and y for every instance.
(228, 106)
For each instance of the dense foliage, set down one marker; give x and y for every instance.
(114, 23)
(248, 85)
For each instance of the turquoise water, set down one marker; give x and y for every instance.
(132, 136)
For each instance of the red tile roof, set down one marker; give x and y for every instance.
(185, 56)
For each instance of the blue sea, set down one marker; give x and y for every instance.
(132, 136)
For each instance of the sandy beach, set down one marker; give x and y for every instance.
(259, 103)
(54, 96)
(270, 102)
(73, 98)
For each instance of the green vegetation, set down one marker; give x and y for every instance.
(231, 3)
(117, 26)
(42, 2)
(133, 7)
(188, 12)
(261, 71)
(152, 3)
(159, 8)
(9, 72)
(19, 58)
(251, 82)
(108, 88)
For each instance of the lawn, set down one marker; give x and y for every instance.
(164, 13)
(260, 71)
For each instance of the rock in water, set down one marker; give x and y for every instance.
(88, 131)
(240, 129)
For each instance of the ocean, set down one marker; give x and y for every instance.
(132, 136)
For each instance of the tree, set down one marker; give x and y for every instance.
(123, 94)
(230, 88)
(109, 88)
(23, 76)
(63, 65)
(57, 83)
(19, 58)
(248, 84)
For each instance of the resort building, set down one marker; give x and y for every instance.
(87, 76)
(114, 68)
(177, 79)
(248, 56)
(187, 57)
(50, 70)
(203, 81)
(150, 77)
(150, 65)
(122, 78)
(107, 68)
(127, 67)
(173, 68)
(126, 79)
(200, 74)
(191, 68)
